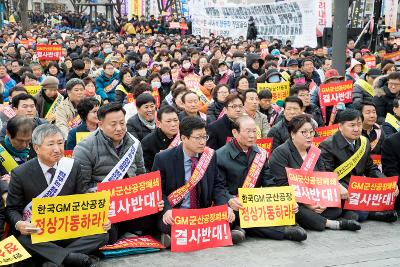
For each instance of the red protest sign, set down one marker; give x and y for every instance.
(156, 96)
(48, 52)
(315, 188)
(133, 197)
(332, 94)
(377, 159)
(134, 242)
(192, 81)
(196, 229)
(370, 61)
(327, 130)
(265, 143)
(318, 140)
(392, 56)
(371, 194)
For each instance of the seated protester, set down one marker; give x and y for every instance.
(272, 111)
(370, 129)
(48, 143)
(303, 92)
(391, 125)
(191, 102)
(87, 111)
(279, 132)
(108, 147)
(17, 145)
(241, 85)
(166, 82)
(386, 95)
(187, 68)
(391, 157)
(221, 129)
(29, 79)
(224, 74)
(7, 81)
(165, 136)
(144, 121)
(234, 160)
(215, 109)
(355, 71)
(139, 87)
(23, 105)
(206, 86)
(177, 165)
(125, 85)
(53, 69)
(337, 150)
(363, 88)
(312, 76)
(251, 106)
(7, 114)
(291, 154)
(67, 116)
(48, 99)
(168, 100)
(107, 82)
(78, 70)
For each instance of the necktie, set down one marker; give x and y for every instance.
(352, 146)
(52, 171)
(194, 199)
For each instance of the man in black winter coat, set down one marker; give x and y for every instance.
(386, 96)
(143, 122)
(164, 137)
(221, 129)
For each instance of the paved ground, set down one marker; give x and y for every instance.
(377, 244)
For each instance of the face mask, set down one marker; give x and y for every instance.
(108, 50)
(132, 64)
(165, 79)
(186, 66)
(274, 79)
(142, 72)
(301, 80)
(155, 85)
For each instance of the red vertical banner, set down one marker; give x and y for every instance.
(315, 188)
(265, 143)
(371, 194)
(133, 197)
(196, 229)
(156, 96)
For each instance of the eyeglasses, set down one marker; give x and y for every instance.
(306, 133)
(200, 138)
(236, 106)
(391, 84)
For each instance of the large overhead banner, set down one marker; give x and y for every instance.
(294, 20)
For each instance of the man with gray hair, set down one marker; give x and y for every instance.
(66, 114)
(41, 175)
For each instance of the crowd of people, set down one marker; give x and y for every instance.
(174, 98)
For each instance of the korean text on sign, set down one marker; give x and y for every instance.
(315, 188)
(196, 229)
(327, 131)
(265, 143)
(279, 90)
(263, 207)
(134, 242)
(11, 251)
(133, 197)
(371, 194)
(72, 216)
(48, 52)
(332, 94)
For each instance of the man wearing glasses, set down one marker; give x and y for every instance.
(221, 129)
(177, 167)
(386, 95)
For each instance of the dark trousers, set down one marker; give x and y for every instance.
(140, 226)
(57, 251)
(309, 219)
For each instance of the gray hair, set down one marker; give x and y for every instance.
(43, 131)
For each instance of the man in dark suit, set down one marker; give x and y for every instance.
(162, 137)
(176, 166)
(32, 178)
(221, 129)
(338, 148)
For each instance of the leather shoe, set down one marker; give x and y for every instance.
(349, 225)
(77, 260)
(166, 240)
(238, 235)
(383, 216)
(295, 233)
